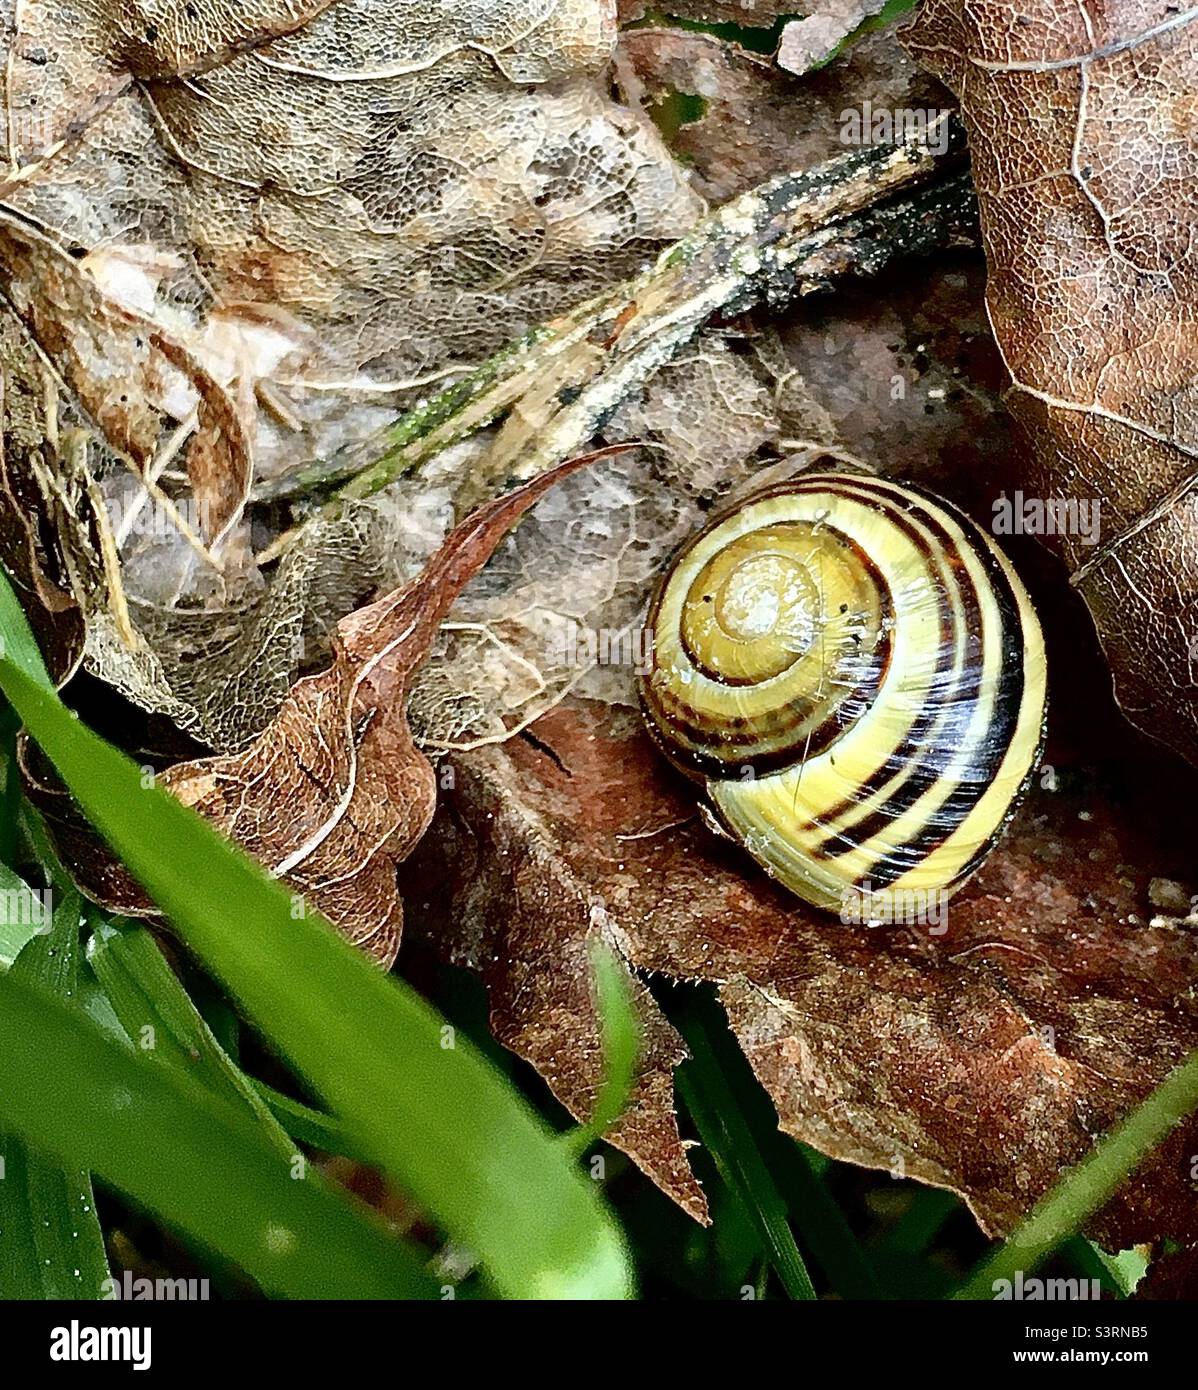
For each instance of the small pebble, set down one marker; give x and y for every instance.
(1169, 896)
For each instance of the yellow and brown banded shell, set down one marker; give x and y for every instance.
(857, 674)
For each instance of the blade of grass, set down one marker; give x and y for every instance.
(1092, 1263)
(217, 1013)
(621, 1040)
(51, 1245)
(161, 1021)
(1089, 1184)
(10, 797)
(721, 1123)
(796, 1170)
(308, 1126)
(200, 1162)
(17, 642)
(1124, 1270)
(437, 1118)
(823, 1227)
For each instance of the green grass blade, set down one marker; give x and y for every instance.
(51, 1245)
(822, 1226)
(1123, 1271)
(10, 794)
(161, 1021)
(1092, 1263)
(308, 1126)
(21, 912)
(1088, 1185)
(200, 1162)
(717, 1113)
(621, 1040)
(18, 646)
(796, 1171)
(434, 1116)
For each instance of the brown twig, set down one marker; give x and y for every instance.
(555, 388)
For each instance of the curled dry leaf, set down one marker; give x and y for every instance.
(334, 792)
(801, 42)
(1082, 127)
(125, 371)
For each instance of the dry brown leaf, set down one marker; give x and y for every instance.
(753, 119)
(65, 66)
(123, 369)
(983, 1059)
(334, 792)
(1082, 127)
(321, 211)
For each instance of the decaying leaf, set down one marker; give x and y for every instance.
(1082, 127)
(735, 118)
(983, 1054)
(128, 375)
(334, 792)
(277, 224)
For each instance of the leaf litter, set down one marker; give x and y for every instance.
(474, 177)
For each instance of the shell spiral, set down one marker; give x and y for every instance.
(857, 673)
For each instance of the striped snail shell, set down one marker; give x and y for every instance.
(857, 674)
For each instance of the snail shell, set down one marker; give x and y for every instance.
(857, 674)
